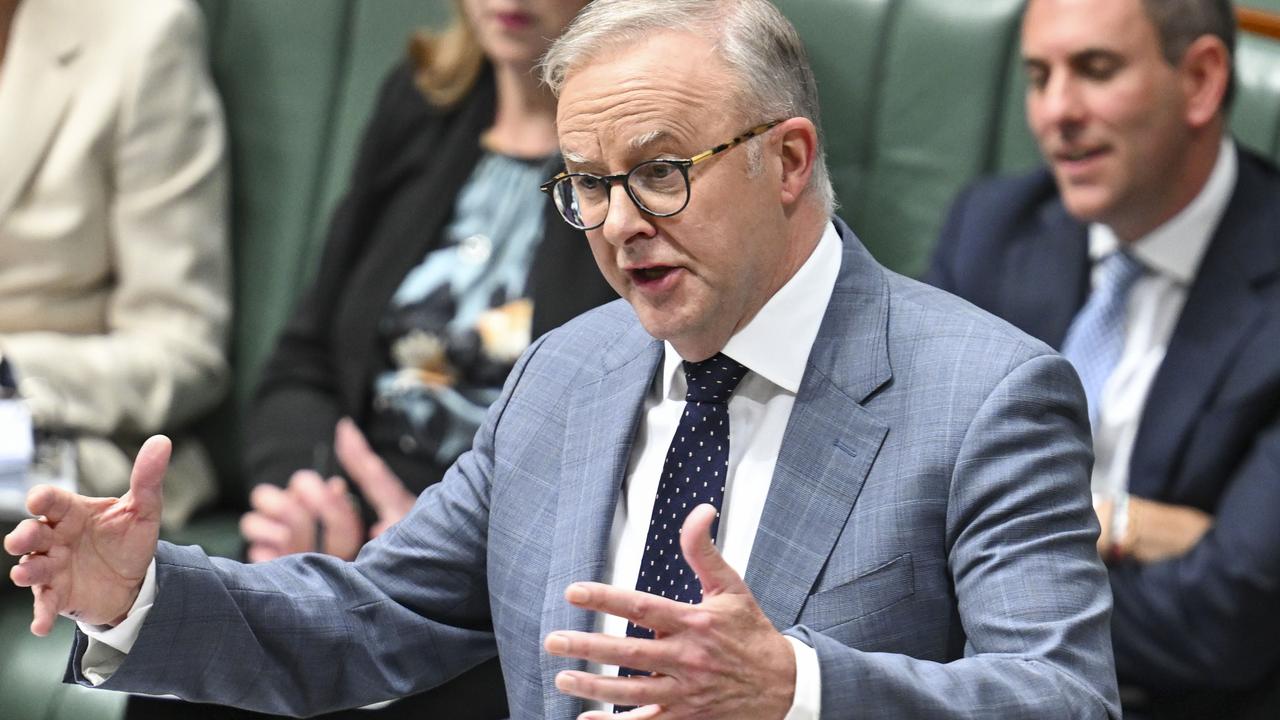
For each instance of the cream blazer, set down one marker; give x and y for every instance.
(114, 261)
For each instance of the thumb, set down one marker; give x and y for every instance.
(146, 494)
(700, 552)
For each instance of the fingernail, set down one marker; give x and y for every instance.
(565, 681)
(557, 643)
(576, 594)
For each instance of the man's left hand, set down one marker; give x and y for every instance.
(721, 658)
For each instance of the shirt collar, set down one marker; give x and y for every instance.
(1176, 248)
(794, 313)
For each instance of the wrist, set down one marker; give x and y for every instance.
(1122, 529)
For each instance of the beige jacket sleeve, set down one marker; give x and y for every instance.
(114, 258)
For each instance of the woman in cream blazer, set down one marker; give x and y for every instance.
(114, 265)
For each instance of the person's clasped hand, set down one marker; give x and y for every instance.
(313, 513)
(721, 658)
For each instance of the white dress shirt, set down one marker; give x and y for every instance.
(1172, 255)
(758, 413)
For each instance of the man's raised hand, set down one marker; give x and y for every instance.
(721, 658)
(85, 557)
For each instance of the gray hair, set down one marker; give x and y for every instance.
(758, 44)
(1180, 22)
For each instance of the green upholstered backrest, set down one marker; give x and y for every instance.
(298, 79)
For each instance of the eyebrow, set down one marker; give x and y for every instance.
(573, 157)
(637, 144)
(1080, 56)
(641, 142)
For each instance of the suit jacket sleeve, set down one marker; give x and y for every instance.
(1026, 576)
(1209, 618)
(162, 361)
(410, 613)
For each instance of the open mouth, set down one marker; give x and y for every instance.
(648, 276)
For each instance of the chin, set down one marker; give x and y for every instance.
(1087, 206)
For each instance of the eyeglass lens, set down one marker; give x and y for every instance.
(659, 187)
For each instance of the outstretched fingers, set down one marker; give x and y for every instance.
(51, 503)
(45, 611)
(30, 536)
(32, 570)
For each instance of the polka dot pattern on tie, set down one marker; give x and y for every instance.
(694, 473)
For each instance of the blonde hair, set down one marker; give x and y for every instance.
(447, 63)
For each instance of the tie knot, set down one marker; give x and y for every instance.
(1119, 271)
(713, 379)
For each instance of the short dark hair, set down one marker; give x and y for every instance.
(1180, 22)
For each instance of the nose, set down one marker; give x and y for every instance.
(624, 221)
(1058, 105)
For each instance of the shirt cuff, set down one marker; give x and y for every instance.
(807, 702)
(108, 646)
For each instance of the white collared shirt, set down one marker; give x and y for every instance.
(774, 347)
(1172, 254)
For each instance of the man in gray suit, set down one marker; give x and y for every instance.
(897, 482)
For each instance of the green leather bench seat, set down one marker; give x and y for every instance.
(919, 98)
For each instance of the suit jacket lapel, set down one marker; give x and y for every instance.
(36, 86)
(1221, 310)
(830, 443)
(602, 418)
(1048, 264)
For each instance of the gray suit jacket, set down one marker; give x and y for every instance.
(928, 531)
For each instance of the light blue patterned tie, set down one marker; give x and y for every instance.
(1095, 339)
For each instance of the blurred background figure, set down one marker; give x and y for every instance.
(441, 264)
(114, 260)
(1147, 252)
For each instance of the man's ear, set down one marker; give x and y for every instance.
(797, 140)
(1205, 73)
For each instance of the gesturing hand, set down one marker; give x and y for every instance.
(721, 658)
(86, 557)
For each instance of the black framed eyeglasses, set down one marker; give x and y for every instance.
(658, 187)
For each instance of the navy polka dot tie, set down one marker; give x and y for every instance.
(693, 474)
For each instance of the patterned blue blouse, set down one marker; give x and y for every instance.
(461, 318)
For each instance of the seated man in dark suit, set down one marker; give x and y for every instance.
(1149, 253)
(897, 482)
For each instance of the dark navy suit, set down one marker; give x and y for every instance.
(1200, 633)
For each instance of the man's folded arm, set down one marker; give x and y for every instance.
(1201, 620)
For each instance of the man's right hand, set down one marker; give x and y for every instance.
(86, 558)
